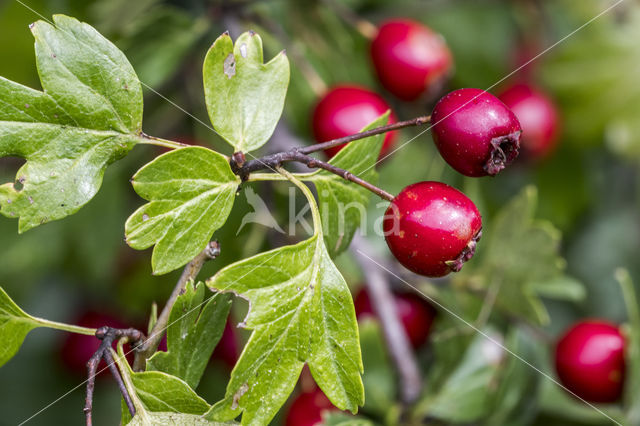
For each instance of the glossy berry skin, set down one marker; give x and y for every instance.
(307, 409)
(432, 228)
(538, 117)
(475, 132)
(415, 313)
(590, 361)
(346, 110)
(78, 348)
(409, 58)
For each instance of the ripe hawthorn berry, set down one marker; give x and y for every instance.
(590, 361)
(538, 117)
(415, 313)
(307, 408)
(475, 132)
(432, 228)
(409, 58)
(346, 110)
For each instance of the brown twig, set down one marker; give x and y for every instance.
(190, 271)
(275, 160)
(398, 344)
(300, 154)
(418, 121)
(108, 335)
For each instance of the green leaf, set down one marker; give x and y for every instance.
(88, 116)
(521, 256)
(610, 81)
(163, 393)
(464, 396)
(343, 204)
(244, 96)
(339, 418)
(15, 324)
(192, 335)
(177, 419)
(301, 311)
(632, 351)
(562, 287)
(191, 192)
(378, 378)
(515, 400)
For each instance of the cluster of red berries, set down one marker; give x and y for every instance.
(432, 228)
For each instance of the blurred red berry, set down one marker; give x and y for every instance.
(307, 408)
(538, 117)
(227, 348)
(346, 110)
(590, 361)
(78, 348)
(415, 313)
(409, 58)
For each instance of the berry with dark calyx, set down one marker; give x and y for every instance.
(415, 313)
(475, 132)
(538, 117)
(346, 110)
(409, 58)
(307, 408)
(590, 361)
(432, 229)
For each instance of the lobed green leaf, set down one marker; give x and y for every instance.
(301, 311)
(192, 335)
(514, 235)
(191, 193)
(244, 96)
(88, 115)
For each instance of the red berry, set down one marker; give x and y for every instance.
(590, 361)
(307, 409)
(432, 228)
(78, 348)
(227, 348)
(346, 110)
(475, 132)
(409, 58)
(416, 314)
(538, 116)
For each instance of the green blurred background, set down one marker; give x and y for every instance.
(588, 189)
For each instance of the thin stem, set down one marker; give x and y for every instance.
(418, 121)
(125, 370)
(152, 140)
(65, 327)
(275, 160)
(155, 335)
(398, 344)
(317, 224)
(108, 358)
